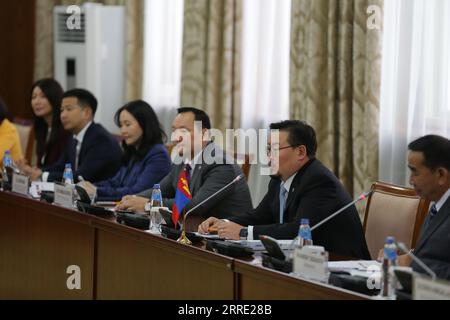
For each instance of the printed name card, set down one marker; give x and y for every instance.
(20, 184)
(311, 264)
(64, 195)
(425, 288)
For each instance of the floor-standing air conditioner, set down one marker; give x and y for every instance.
(91, 55)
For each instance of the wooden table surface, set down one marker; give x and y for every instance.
(39, 241)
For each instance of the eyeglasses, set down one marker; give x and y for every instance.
(276, 150)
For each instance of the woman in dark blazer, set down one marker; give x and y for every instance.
(51, 138)
(146, 159)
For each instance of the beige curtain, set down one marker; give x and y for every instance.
(335, 84)
(134, 49)
(211, 59)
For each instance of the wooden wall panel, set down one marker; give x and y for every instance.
(17, 34)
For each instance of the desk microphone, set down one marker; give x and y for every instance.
(361, 197)
(405, 250)
(183, 239)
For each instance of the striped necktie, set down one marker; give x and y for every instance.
(433, 211)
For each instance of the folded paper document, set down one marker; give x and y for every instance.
(257, 245)
(37, 187)
(207, 236)
(355, 267)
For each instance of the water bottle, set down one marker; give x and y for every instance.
(389, 281)
(68, 175)
(68, 181)
(304, 234)
(303, 238)
(156, 200)
(7, 162)
(156, 203)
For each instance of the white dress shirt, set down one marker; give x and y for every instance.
(442, 200)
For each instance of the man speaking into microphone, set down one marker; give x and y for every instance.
(301, 187)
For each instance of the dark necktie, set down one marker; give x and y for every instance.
(433, 211)
(283, 193)
(431, 214)
(188, 169)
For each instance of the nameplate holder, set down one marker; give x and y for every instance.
(311, 262)
(20, 184)
(64, 195)
(424, 288)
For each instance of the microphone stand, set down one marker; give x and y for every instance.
(183, 238)
(405, 250)
(361, 197)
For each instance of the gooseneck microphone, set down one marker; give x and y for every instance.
(361, 197)
(183, 228)
(405, 250)
(238, 178)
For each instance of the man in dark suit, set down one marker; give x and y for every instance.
(208, 167)
(92, 152)
(302, 187)
(429, 162)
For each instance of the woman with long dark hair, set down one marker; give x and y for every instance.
(51, 138)
(146, 159)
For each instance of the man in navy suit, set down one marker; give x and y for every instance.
(429, 162)
(301, 187)
(93, 152)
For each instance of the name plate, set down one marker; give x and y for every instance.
(64, 195)
(425, 288)
(311, 263)
(20, 184)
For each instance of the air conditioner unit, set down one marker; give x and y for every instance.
(93, 57)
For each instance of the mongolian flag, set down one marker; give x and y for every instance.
(182, 197)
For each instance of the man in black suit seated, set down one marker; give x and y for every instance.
(429, 162)
(305, 188)
(92, 151)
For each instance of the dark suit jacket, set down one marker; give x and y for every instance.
(315, 194)
(53, 152)
(99, 157)
(137, 175)
(207, 179)
(433, 246)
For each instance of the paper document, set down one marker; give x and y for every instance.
(106, 203)
(353, 264)
(207, 236)
(37, 187)
(258, 246)
(363, 268)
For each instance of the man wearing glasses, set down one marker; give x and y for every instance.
(301, 187)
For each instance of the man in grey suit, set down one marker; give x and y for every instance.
(429, 162)
(209, 169)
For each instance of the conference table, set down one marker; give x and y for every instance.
(41, 245)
